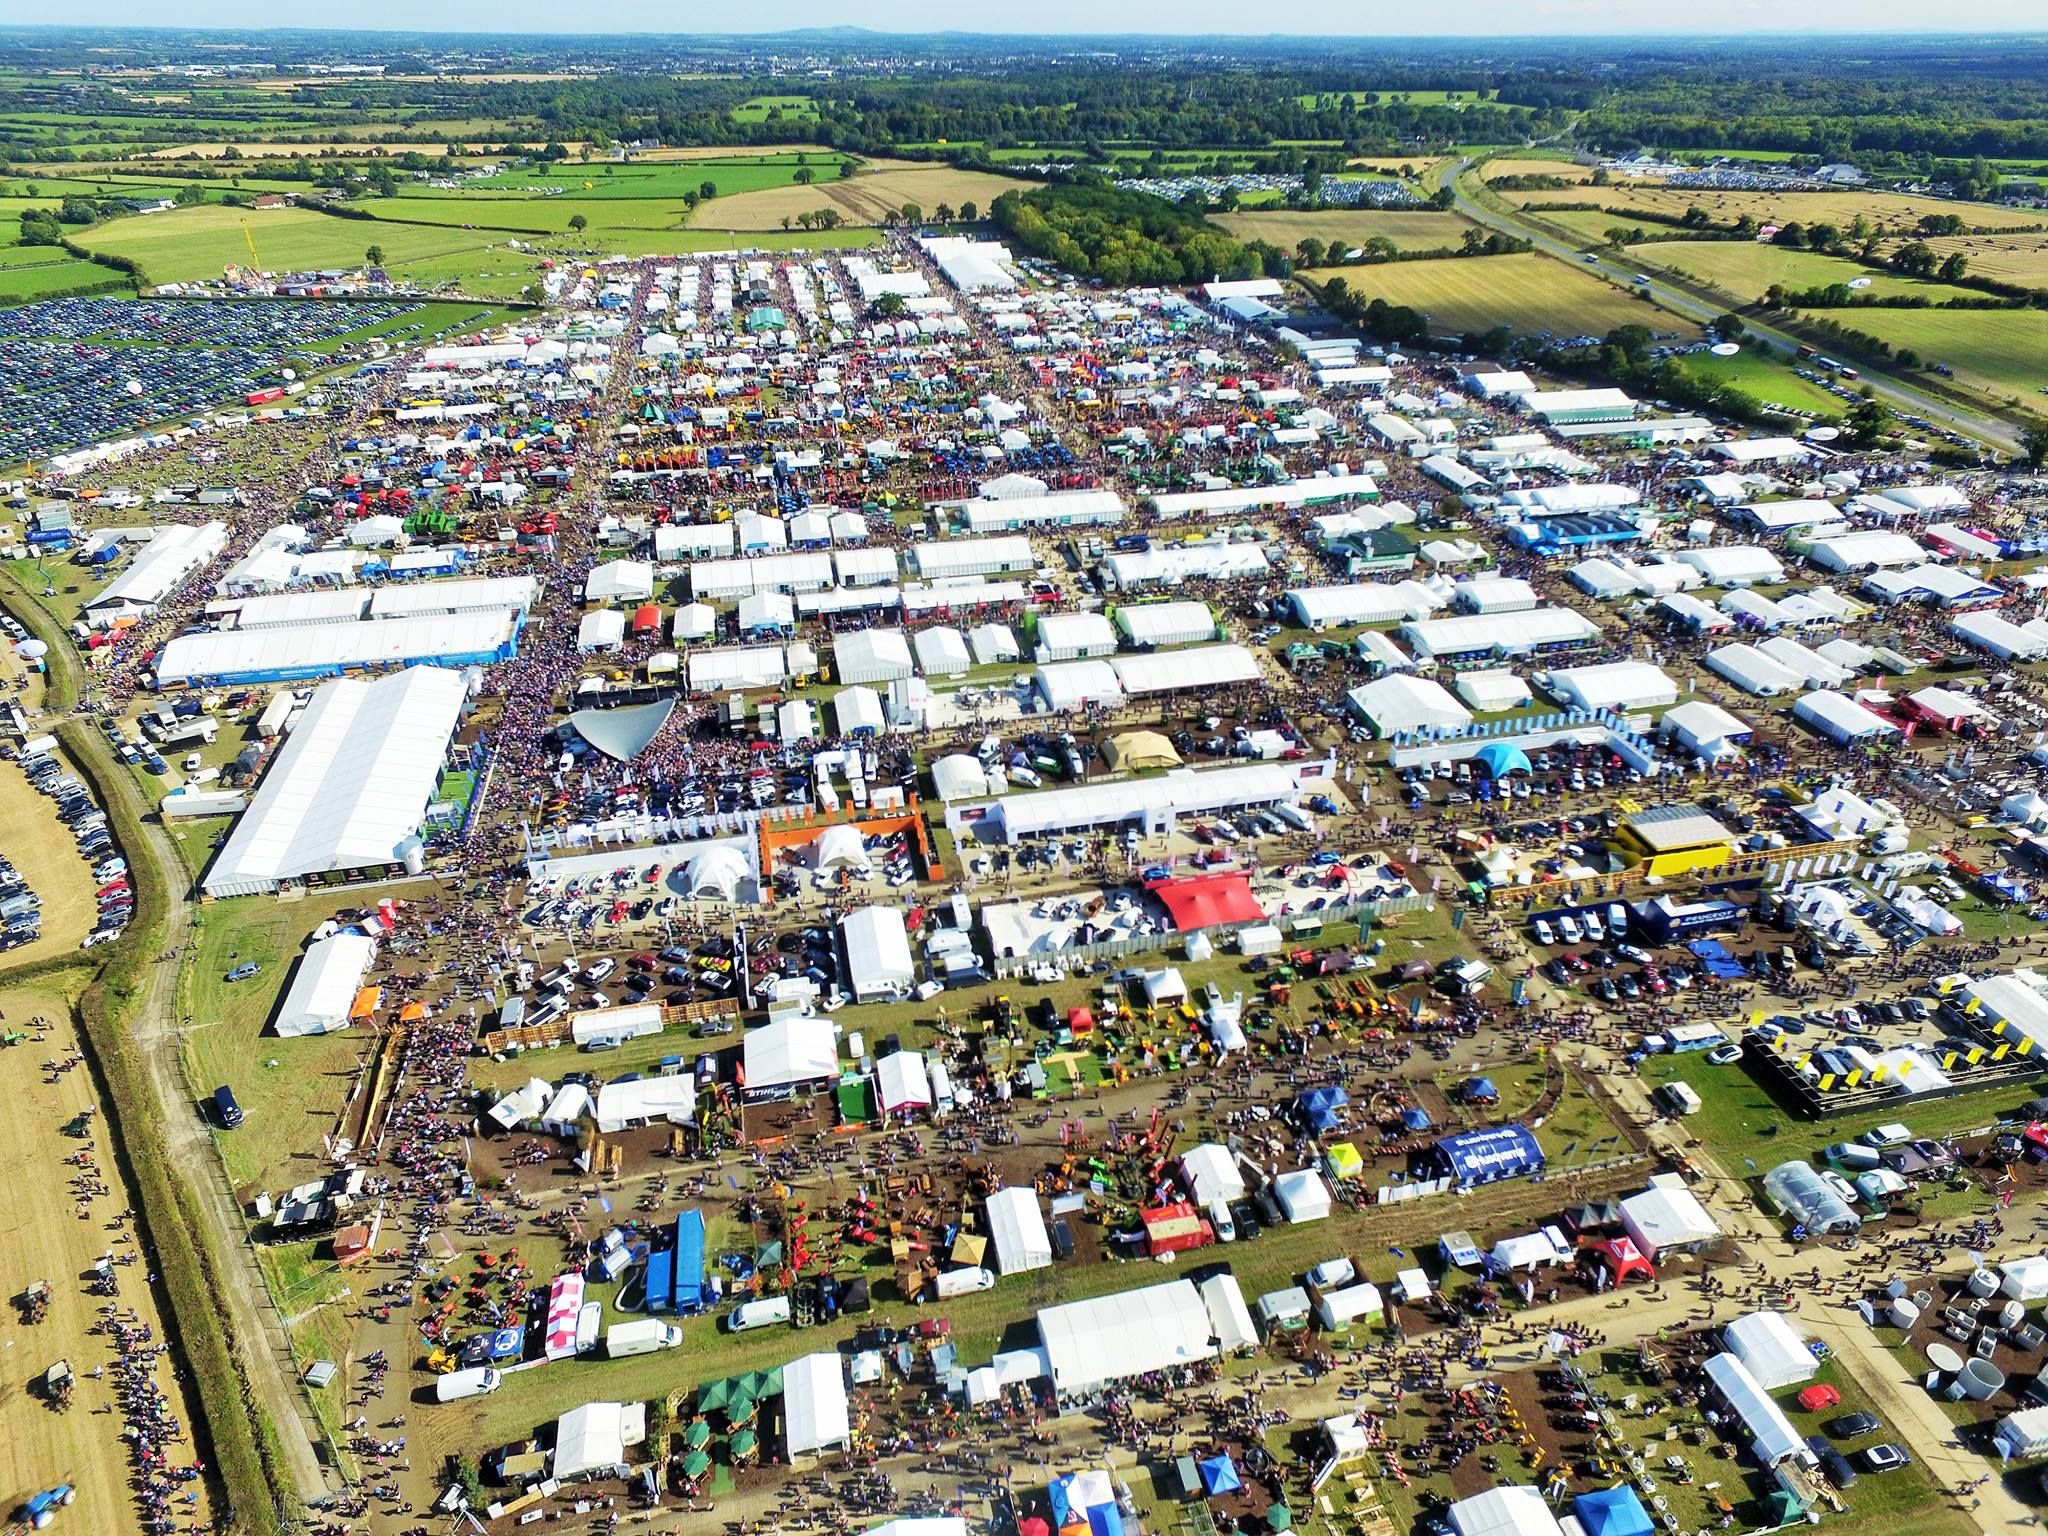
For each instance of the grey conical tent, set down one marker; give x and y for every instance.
(622, 734)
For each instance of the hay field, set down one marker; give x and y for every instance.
(1745, 269)
(1409, 230)
(186, 244)
(1889, 209)
(861, 199)
(43, 1238)
(2001, 350)
(331, 149)
(1530, 294)
(1568, 170)
(2021, 259)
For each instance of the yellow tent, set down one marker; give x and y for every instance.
(1139, 750)
(1343, 1161)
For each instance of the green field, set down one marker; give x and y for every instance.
(665, 179)
(50, 278)
(1766, 379)
(1364, 94)
(1410, 230)
(1745, 269)
(1530, 294)
(755, 109)
(2002, 350)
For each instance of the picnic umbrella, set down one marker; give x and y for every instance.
(698, 1435)
(745, 1443)
(1278, 1517)
(696, 1464)
(714, 1395)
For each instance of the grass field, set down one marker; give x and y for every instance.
(186, 244)
(47, 856)
(1766, 379)
(43, 1238)
(2002, 350)
(1531, 294)
(1890, 209)
(1393, 98)
(755, 109)
(1745, 269)
(862, 199)
(1409, 230)
(336, 148)
(47, 279)
(667, 179)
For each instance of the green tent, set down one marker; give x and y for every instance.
(698, 1435)
(696, 1464)
(1782, 1507)
(745, 1443)
(1279, 1518)
(714, 1395)
(768, 1255)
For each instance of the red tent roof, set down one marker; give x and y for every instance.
(1080, 1020)
(1202, 901)
(1623, 1258)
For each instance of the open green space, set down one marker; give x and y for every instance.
(1769, 379)
(194, 244)
(758, 109)
(1530, 294)
(1409, 229)
(668, 179)
(2001, 350)
(22, 282)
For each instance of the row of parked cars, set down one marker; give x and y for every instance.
(113, 895)
(21, 909)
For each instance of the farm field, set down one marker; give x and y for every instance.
(1892, 209)
(43, 1238)
(1533, 165)
(665, 180)
(2002, 350)
(1530, 294)
(862, 199)
(722, 152)
(47, 856)
(756, 109)
(53, 275)
(1765, 378)
(361, 149)
(1397, 98)
(1745, 269)
(1409, 230)
(2021, 259)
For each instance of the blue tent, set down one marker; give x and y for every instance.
(1415, 1119)
(1482, 1156)
(1104, 1520)
(1612, 1511)
(689, 1262)
(1219, 1475)
(1318, 1106)
(1478, 1090)
(1501, 758)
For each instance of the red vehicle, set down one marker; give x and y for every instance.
(263, 396)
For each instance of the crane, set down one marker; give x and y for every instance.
(255, 261)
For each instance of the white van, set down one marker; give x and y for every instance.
(1221, 1222)
(757, 1314)
(456, 1385)
(964, 1282)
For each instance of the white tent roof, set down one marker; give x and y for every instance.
(1666, 1215)
(1399, 703)
(877, 950)
(326, 985)
(718, 870)
(1771, 1434)
(594, 1438)
(1018, 1229)
(1302, 1194)
(786, 1051)
(858, 708)
(1211, 1173)
(959, 777)
(839, 847)
(814, 1408)
(620, 580)
(1128, 1333)
(1769, 1350)
(694, 621)
(350, 784)
(672, 1098)
(1229, 1317)
(942, 652)
(1513, 1509)
(901, 1082)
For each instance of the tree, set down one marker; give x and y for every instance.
(968, 212)
(889, 306)
(1953, 266)
(707, 190)
(578, 222)
(1791, 234)
(189, 194)
(1867, 421)
(77, 210)
(1727, 328)
(1474, 242)
(912, 214)
(846, 169)
(943, 213)
(2034, 446)
(785, 221)
(373, 256)
(1443, 197)
(1309, 252)
(1915, 258)
(803, 176)
(1823, 237)
(1631, 340)
(553, 151)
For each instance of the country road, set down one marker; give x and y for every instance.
(1900, 397)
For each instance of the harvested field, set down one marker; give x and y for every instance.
(1409, 230)
(1530, 294)
(44, 1237)
(2021, 259)
(215, 149)
(1891, 209)
(864, 198)
(1495, 170)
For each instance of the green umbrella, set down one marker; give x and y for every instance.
(696, 1464)
(1278, 1518)
(698, 1435)
(714, 1395)
(744, 1443)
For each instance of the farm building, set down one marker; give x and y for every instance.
(1558, 407)
(348, 788)
(1494, 595)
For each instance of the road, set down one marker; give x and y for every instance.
(1900, 397)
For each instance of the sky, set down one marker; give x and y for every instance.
(1359, 18)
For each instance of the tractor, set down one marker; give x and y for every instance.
(34, 1303)
(41, 1508)
(57, 1386)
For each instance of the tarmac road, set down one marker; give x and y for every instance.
(1900, 397)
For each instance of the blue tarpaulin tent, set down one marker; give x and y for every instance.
(1219, 1475)
(1479, 1090)
(1501, 758)
(1415, 1119)
(1318, 1107)
(1482, 1156)
(689, 1262)
(1612, 1511)
(661, 1282)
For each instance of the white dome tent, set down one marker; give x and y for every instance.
(718, 870)
(840, 848)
